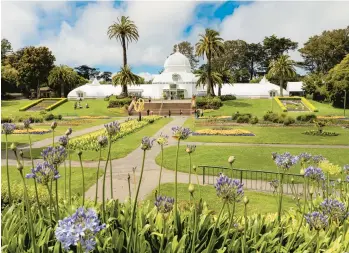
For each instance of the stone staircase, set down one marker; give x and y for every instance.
(177, 107)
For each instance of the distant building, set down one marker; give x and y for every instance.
(295, 88)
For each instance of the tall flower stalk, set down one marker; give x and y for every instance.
(103, 142)
(83, 179)
(63, 141)
(162, 141)
(67, 134)
(7, 129)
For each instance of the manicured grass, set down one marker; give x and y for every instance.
(120, 148)
(277, 134)
(250, 158)
(259, 107)
(258, 202)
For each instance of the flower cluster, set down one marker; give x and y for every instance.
(63, 140)
(44, 173)
(318, 158)
(69, 131)
(274, 155)
(8, 128)
(334, 209)
(329, 168)
(180, 133)
(285, 160)
(231, 159)
(164, 204)
(53, 125)
(314, 173)
(274, 184)
(346, 169)
(229, 189)
(147, 143)
(54, 155)
(305, 157)
(226, 132)
(112, 128)
(26, 123)
(347, 179)
(316, 220)
(81, 227)
(190, 149)
(102, 141)
(162, 140)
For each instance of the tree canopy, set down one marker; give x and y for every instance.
(6, 48)
(86, 71)
(63, 78)
(187, 49)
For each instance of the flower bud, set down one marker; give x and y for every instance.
(191, 188)
(339, 180)
(68, 132)
(21, 153)
(194, 168)
(53, 125)
(231, 159)
(311, 191)
(292, 180)
(80, 153)
(13, 147)
(246, 200)
(19, 166)
(301, 172)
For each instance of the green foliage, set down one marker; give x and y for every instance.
(322, 133)
(6, 48)
(24, 108)
(208, 102)
(63, 78)
(306, 117)
(187, 49)
(125, 77)
(55, 105)
(86, 72)
(227, 97)
(243, 119)
(119, 102)
(279, 118)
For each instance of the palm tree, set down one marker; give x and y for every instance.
(226, 77)
(202, 74)
(125, 31)
(282, 69)
(209, 45)
(63, 76)
(125, 77)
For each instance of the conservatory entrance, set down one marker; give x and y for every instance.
(173, 92)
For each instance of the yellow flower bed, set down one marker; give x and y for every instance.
(94, 117)
(228, 132)
(330, 117)
(32, 131)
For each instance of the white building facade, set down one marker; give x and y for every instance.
(176, 82)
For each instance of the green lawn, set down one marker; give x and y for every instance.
(259, 202)
(251, 158)
(277, 134)
(120, 148)
(259, 107)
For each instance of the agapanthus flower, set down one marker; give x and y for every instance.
(190, 149)
(54, 155)
(285, 160)
(26, 123)
(334, 209)
(228, 189)
(82, 227)
(112, 128)
(63, 140)
(69, 131)
(347, 179)
(147, 143)
(274, 184)
(180, 133)
(43, 173)
(316, 220)
(329, 168)
(305, 157)
(231, 159)
(274, 155)
(102, 141)
(164, 204)
(8, 128)
(53, 125)
(162, 140)
(318, 158)
(314, 173)
(346, 169)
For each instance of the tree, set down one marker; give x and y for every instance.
(6, 48)
(255, 55)
(322, 52)
(63, 76)
(275, 47)
(187, 49)
(106, 75)
(125, 31)
(202, 74)
(313, 84)
(9, 78)
(337, 82)
(282, 69)
(209, 45)
(125, 77)
(225, 76)
(86, 71)
(34, 67)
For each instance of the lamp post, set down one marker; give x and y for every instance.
(345, 100)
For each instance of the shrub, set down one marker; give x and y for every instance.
(58, 117)
(318, 133)
(227, 97)
(289, 120)
(119, 102)
(208, 102)
(276, 118)
(237, 115)
(254, 120)
(243, 119)
(272, 117)
(6, 120)
(49, 117)
(306, 117)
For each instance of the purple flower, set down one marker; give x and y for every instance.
(274, 184)
(285, 160)
(316, 220)
(43, 173)
(229, 189)
(164, 204)
(63, 140)
(347, 179)
(318, 158)
(314, 173)
(190, 149)
(82, 227)
(147, 143)
(8, 128)
(180, 133)
(305, 157)
(102, 141)
(112, 128)
(274, 155)
(334, 209)
(346, 169)
(69, 131)
(26, 123)
(162, 140)
(54, 155)
(53, 125)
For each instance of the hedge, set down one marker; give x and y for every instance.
(58, 103)
(24, 108)
(283, 108)
(304, 101)
(227, 97)
(309, 105)
(119, 102)
(208, 102)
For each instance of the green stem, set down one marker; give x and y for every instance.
(195, 230)
(198, 182)
(50, 195)
(57, 209)
(65, 180)
(135, 204)
(209, 247)
(83, 182)
(280, 196)
(111, 178)
(189, 168)
(97, 176)
(162, 162)
(328, 184)
(70, 176)
(129, 186)
(163, 236)
(245, 230)
(104, 176)
(230, 223)
(175, 186)
(35, 185)
(8, 174)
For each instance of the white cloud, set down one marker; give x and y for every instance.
(296, 20)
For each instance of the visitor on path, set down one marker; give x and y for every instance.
(169, 113)
(180, 112)
(148, 111)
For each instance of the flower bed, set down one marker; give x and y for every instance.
(318, 133)
(226, 132)
(90, 141)
(32, 131)
(94, 117)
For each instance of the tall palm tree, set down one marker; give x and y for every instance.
(125, 31)
(202, 74)
(209, 45)
(125, 77)
(63, 76)
(226, 77)
(282, 69)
